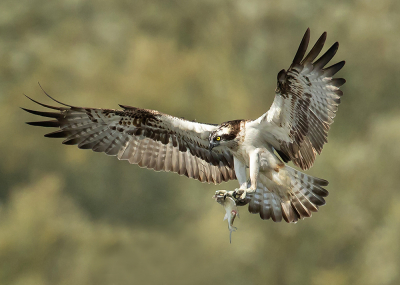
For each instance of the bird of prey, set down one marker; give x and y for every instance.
(295, 128)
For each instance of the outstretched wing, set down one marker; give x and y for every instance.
(145, 137)
(306, 100)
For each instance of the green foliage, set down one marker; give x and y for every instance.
(69, 216)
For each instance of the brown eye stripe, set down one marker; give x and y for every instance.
(228, 137)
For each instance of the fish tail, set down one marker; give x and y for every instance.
(231, 229)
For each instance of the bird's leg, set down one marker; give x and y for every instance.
(240, 171)
(254, 170)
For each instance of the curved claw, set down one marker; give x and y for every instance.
(241, 196)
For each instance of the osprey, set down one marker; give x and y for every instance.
(294, 129)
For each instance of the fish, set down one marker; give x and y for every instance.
(231, 210)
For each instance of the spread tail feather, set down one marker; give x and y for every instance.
(303, 197)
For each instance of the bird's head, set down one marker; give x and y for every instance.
(225, 135)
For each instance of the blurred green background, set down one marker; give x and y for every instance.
(69, 216)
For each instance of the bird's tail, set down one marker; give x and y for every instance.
(301, 195)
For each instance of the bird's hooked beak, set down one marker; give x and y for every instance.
(212, 145)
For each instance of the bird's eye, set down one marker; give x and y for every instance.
(218, 138)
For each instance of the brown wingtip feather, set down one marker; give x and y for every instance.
(73, 141)
(44, 114)
(338, 82)
(57, 134)
(333, 69)
(302, 48)
(316, 49)
(327, 56)
(48, 124)
(126, 107)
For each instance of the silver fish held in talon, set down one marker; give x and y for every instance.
(231, 210)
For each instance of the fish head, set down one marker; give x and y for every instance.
(220, 197)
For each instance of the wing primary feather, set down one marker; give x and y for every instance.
(339, 93)
(87, 145)
(45, 114)
(333, 69)
(47, 124)
(337, 82)
(302, 48)
(73, 141)
(326, 57)
(57, 134)
(126, 107)
(316, 49)
(320, 181)
(320, 191)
